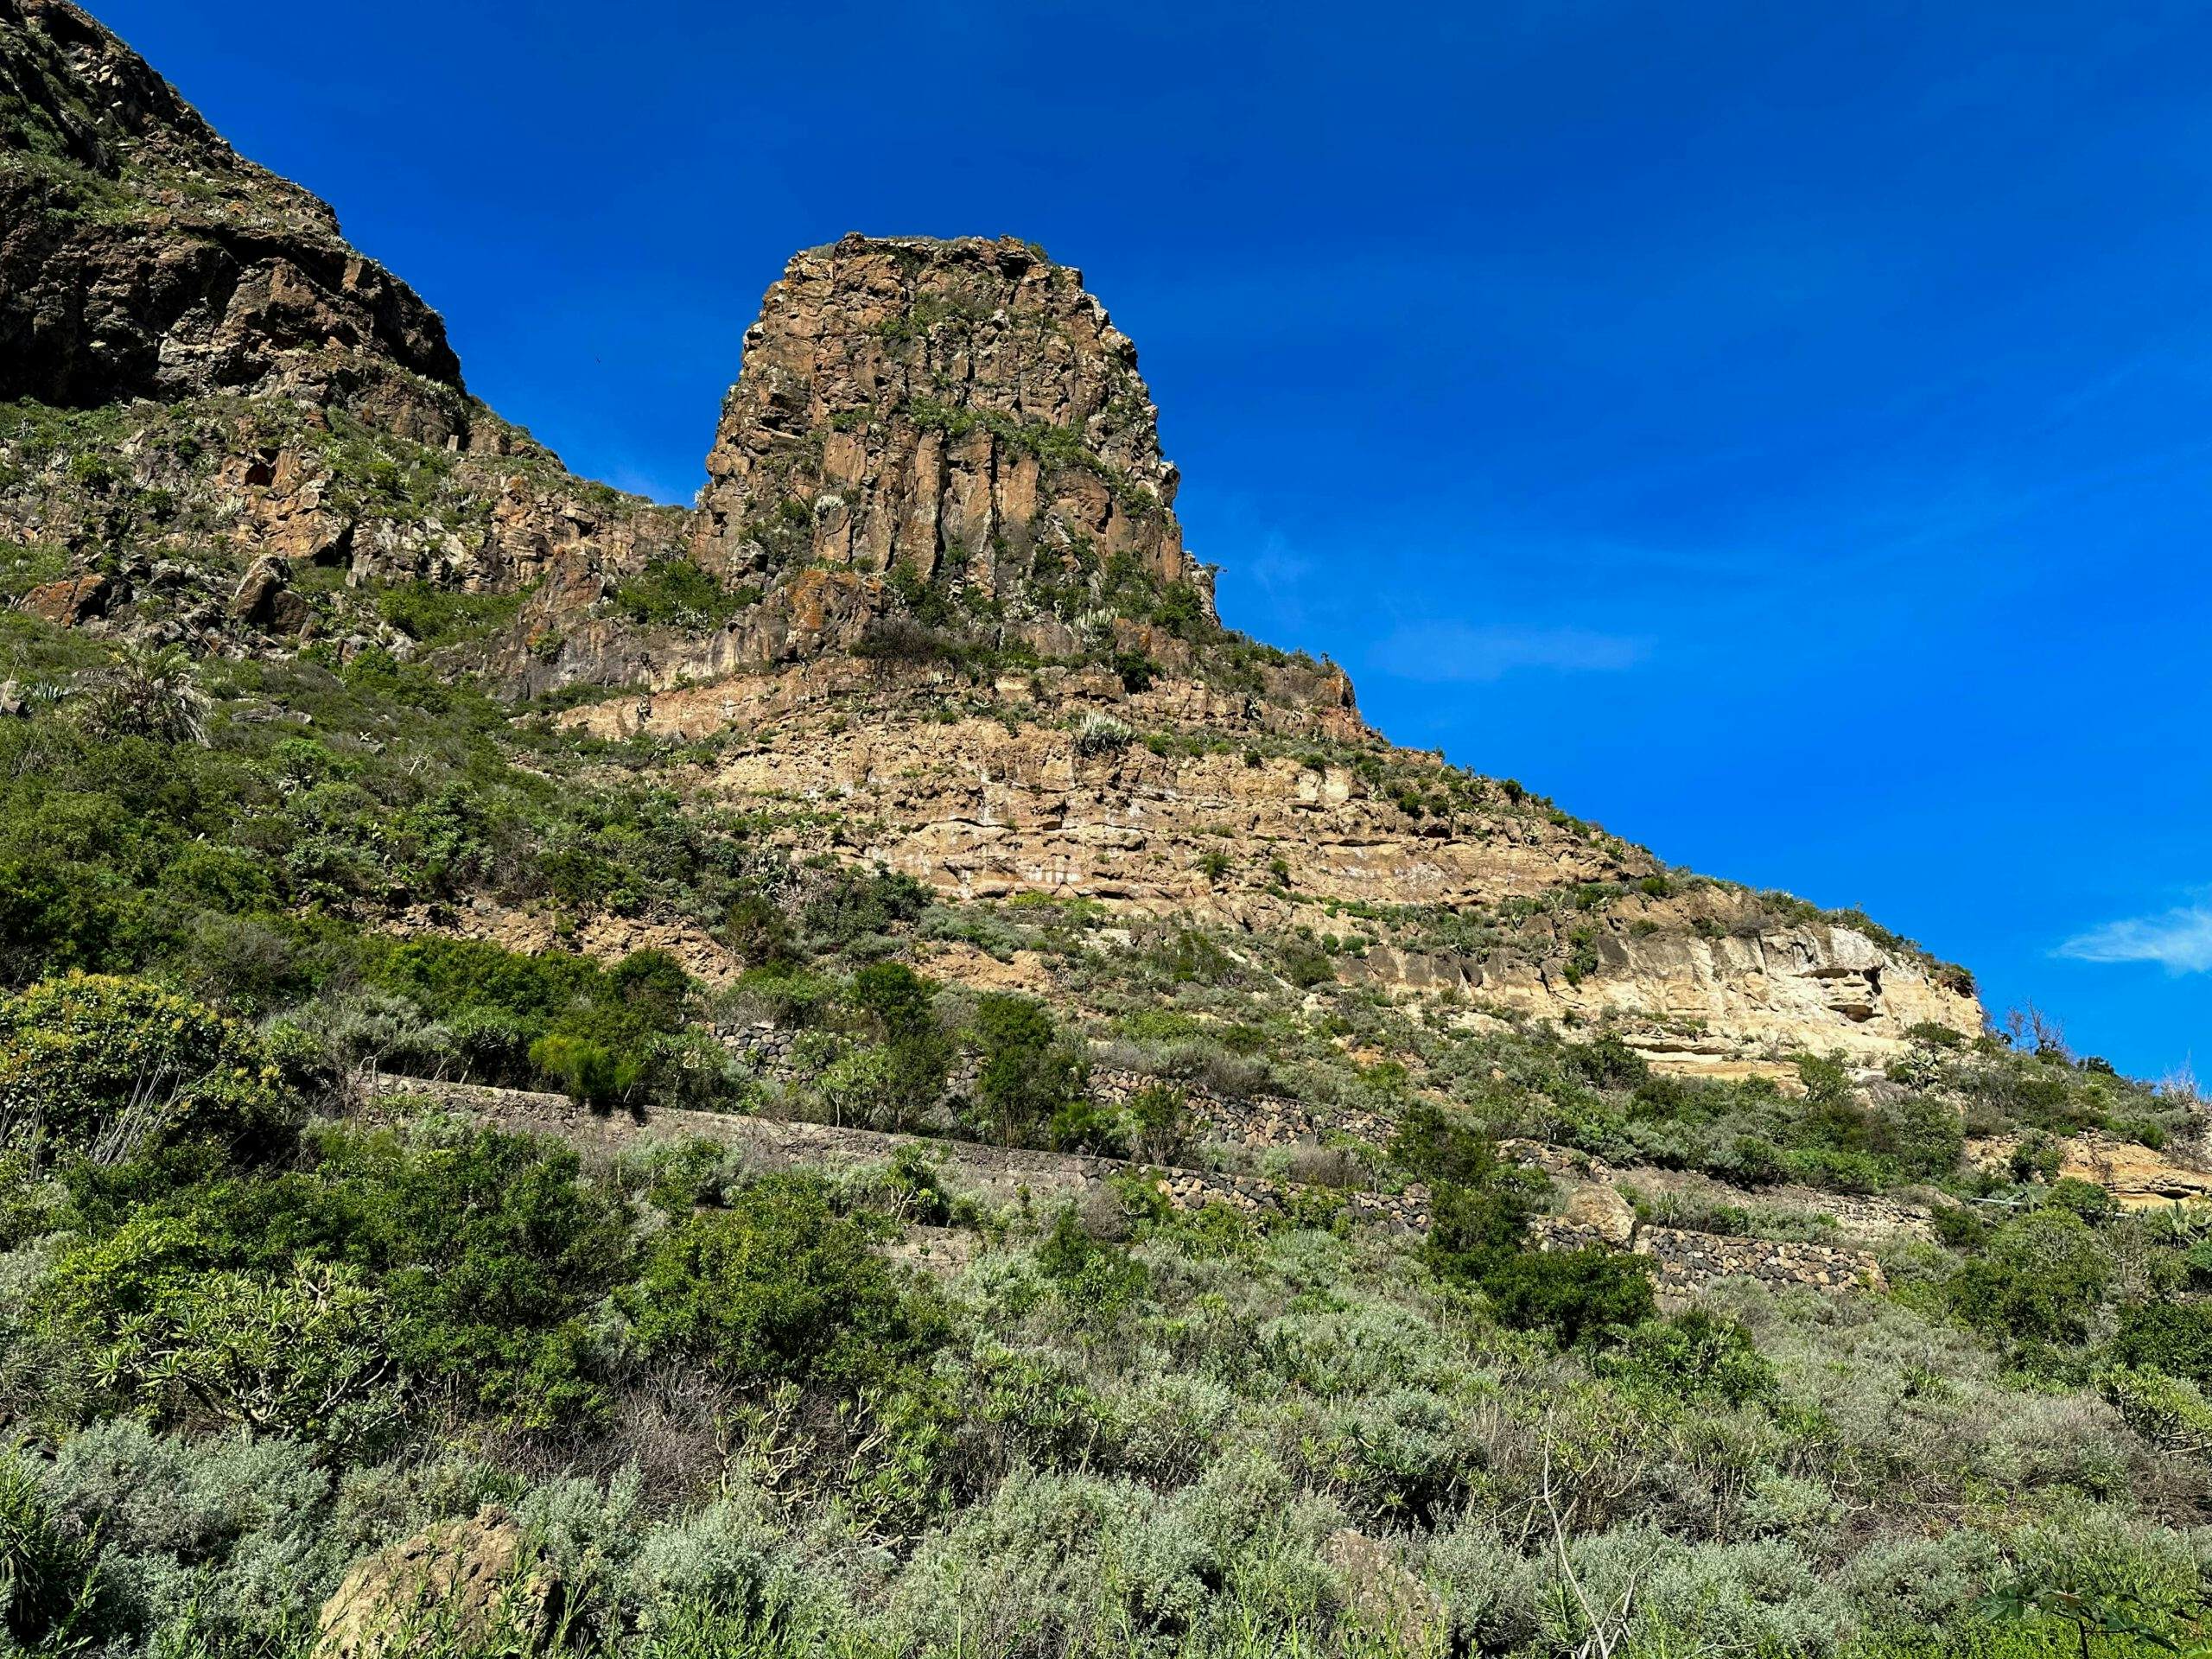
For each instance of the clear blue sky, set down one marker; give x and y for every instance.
(1782, 433)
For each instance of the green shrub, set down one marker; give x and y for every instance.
(1098, 1280)
(2175, 1338)
(1923, 1135)
(757, 929)
(779, 1288)
(2169, 1412)
(1307, 965)
(2039, 1278)
(1587, 1293)
(1695, 1355)
(898, 1006)
(1164, 1123)
(173, 1334)
(857, 905)
(1083, 1126)
(98, 1063)
(1028, 1073)
(678, 591)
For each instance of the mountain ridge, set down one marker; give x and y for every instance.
(938, 473)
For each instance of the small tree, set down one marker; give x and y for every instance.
(1028, 1073)
(1164, 1123)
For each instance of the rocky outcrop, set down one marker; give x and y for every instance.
(469, 1585)
(141, 256)
(2137, 1176)
(253, 386)
(68, 600)
(963, 408)
(932, 445)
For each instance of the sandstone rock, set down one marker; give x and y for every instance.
(458, 1583)
(2139, 1177)
(1602, 1213)
(70, 600)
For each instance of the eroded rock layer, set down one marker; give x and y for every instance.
(1186, 800)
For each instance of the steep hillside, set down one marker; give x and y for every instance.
(848, 1071)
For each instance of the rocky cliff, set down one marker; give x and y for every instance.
(141, 256)
(933, 590)
(963, 409)
(935, 446)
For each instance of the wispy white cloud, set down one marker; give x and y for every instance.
(1458, 653)
(2180, 941)
(1276, 566)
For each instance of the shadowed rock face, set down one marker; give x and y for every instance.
(141, 256)
(960, 409)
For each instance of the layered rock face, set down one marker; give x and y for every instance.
(963, 408)
(930, 442)
(141, 256)
(1459, 893)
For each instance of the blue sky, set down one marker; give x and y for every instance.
(1782, 434)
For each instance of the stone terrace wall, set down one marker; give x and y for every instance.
(999, 1175)
(1861, 1220)
(1258, 1121)
(1683, 1262)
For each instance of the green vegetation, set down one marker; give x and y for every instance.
(677, 592)
(249, 1331)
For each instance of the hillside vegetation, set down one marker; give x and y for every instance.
(248, 1335)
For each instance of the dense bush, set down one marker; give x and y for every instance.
(1029, 1074)
(779, 1288)
(2039, 1278)
(110, 1065)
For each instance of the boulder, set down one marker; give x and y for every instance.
(71, 599)
(1602, 1213)
(264, 600)
(459, 1584)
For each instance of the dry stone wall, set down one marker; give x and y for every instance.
(1683, 1262)
(998, 1175)
(1258, 1121)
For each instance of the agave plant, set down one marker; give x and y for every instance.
(147, 693)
